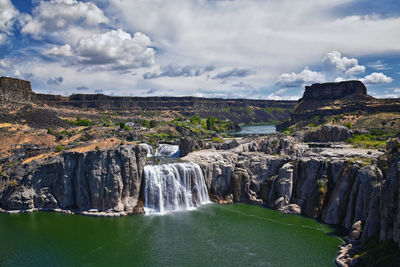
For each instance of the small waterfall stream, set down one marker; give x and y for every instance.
(163, 150)
(172, 187)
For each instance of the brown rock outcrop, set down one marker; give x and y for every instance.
(332, 91)
(14, 92)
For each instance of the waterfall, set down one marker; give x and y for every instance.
(164, 150)
(172, 187)
(168, 150)
(149, 149)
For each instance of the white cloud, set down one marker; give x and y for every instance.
(286, 34)
(3, 38)
(8, 17)
(55, 81)
(235, 72)
(376, 78)
(55, 16)
(379, 65)
(268, 37)
(172, 70)
(334, 64)
(116, 49)
(64, 51)
(396, 90)
(112, 50)
(8, 13)
(293, 79)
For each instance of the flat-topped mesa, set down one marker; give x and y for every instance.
(334, 90)
(15, 91)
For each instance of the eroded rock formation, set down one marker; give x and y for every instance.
(325, 99)
(101, 180)
(14, 92)
(339, 186)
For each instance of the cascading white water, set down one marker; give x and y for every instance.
(172, 187)
(149, 149)
(167, 150)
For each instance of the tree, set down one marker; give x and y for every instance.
(210, 123)
(153, 124)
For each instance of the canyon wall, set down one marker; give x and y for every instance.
(14, 92)
(338, 185)
(101, 180)
(338, 188)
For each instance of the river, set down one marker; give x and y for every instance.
(211, 235)
(261, 129)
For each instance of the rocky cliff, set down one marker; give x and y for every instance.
(101, 180)
(326, 99)
(337, 185)
(14, 92)
(236, 110)
(334, 183)
(332, 91)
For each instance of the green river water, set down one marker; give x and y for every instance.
(212, 235)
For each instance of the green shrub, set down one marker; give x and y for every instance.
(153, 124)
(195, 119)
(367, 140)
(349, 125)
(52, 132)
(59, 148)
(211, 123)
(80, 122)
(217, 139)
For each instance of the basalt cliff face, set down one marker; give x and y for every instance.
(337, 185)
(325, 99)
(15, 92)
(99, 181)
(332, 182)
(236, 110)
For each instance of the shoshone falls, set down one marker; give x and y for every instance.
(173, 187)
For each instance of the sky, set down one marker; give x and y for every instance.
(258, 49)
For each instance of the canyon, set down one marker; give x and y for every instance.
(310, 172)
(336, 184)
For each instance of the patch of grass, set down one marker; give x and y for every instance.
(52, 132)
(80, 122)
(13, 183)
(364, 161)
(374, 139)
(217, 139)
(59, 148)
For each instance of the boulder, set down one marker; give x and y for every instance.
(328, 133)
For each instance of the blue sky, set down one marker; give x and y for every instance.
(221, 48)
